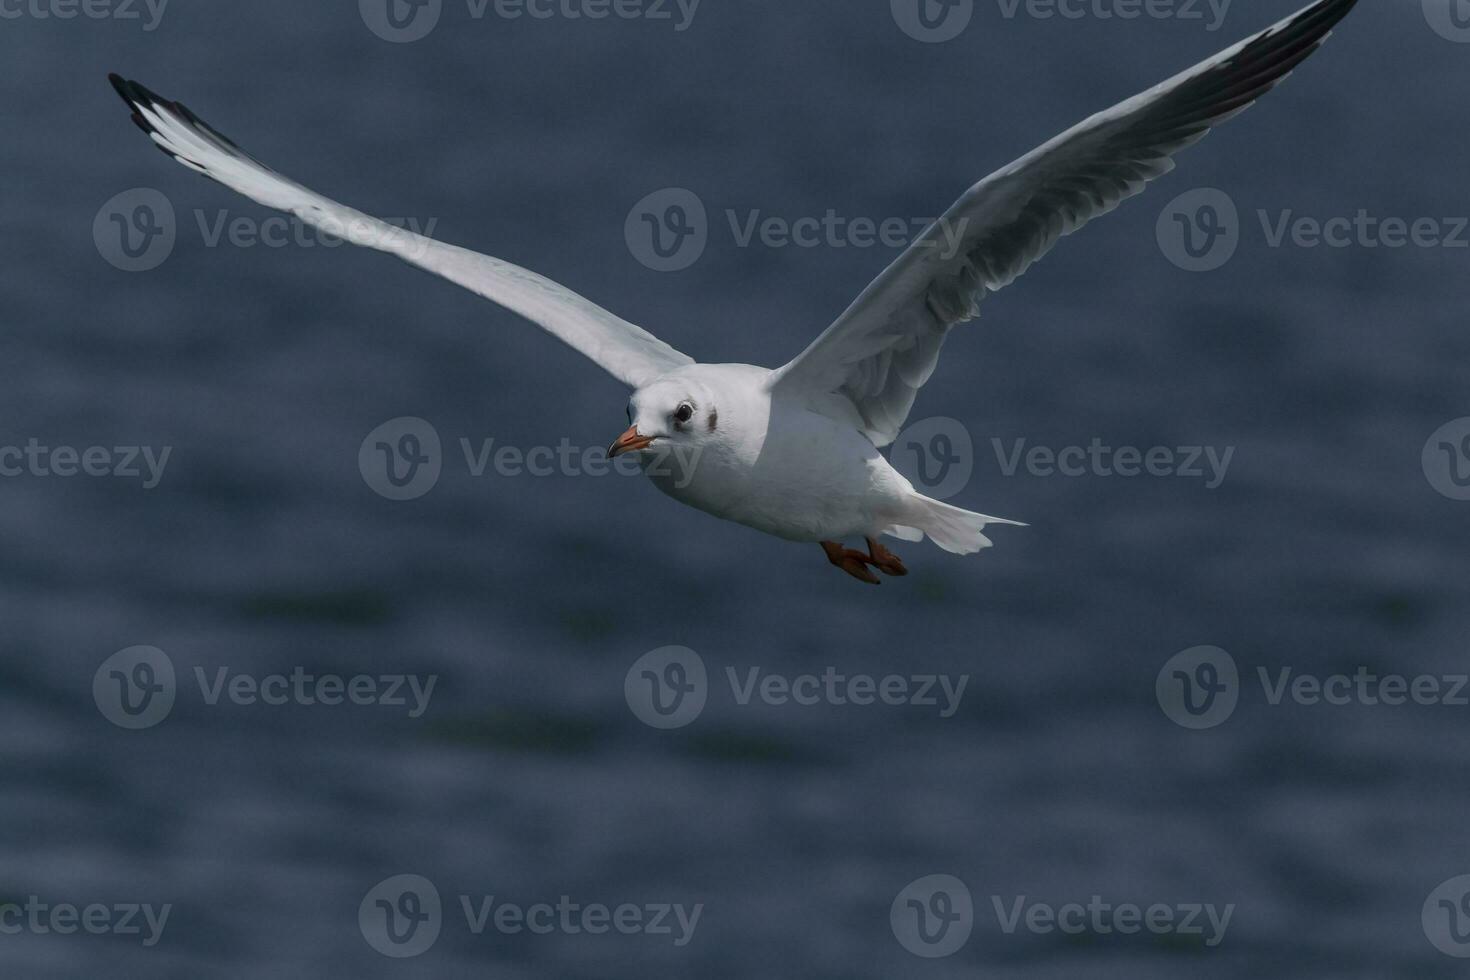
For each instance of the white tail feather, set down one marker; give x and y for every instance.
(960, 532)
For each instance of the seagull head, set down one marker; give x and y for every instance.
(670, 415)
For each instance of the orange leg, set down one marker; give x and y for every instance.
(854, 563)
(884, 560)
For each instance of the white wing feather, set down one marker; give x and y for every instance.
(624, 350)
(886, 345)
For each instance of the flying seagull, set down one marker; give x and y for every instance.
(794, 451)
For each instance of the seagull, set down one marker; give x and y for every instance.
(795, 451)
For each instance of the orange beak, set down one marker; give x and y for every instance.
(629, 442)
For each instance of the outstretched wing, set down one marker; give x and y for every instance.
(882, 350)
(624, 350)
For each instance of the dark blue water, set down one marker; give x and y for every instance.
(263, 550)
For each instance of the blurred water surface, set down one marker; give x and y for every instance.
(262, 549)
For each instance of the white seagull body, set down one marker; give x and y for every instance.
(794, 451)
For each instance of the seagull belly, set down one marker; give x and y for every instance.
(813, 479)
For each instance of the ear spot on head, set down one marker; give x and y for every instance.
(714, 419)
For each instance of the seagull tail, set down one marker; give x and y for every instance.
(960, 532)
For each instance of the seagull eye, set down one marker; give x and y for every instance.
(684, 413)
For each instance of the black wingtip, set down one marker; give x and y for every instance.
(127, 90)
(119, 85)
(136, 94)
(1332, 11)
(131, 92)
(139, 97)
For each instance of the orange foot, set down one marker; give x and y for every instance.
(884, 560)
(854, 563)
